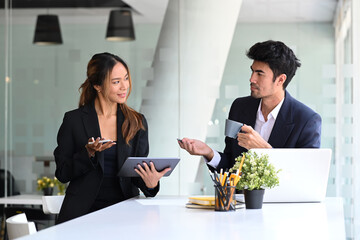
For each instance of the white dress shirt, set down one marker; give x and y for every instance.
(263, 127)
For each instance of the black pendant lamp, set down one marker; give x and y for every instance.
(47, 31)
(120, 26)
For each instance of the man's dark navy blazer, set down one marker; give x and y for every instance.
(296, 126)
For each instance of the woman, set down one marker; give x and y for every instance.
(91, 166)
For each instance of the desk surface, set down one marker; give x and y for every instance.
(23, 199)
(167, 218)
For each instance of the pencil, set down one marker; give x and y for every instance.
(242, 162)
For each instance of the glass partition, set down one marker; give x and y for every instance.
(187, 68)
(44, 80)
(347, 113)
(5, 66)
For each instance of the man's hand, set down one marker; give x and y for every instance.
(196, 147)
(248, 138)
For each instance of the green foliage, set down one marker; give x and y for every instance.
(257, 172)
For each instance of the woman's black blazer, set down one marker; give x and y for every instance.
(84, 174)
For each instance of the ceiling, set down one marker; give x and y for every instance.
(64, 3)
(146, 11)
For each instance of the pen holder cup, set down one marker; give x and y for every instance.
(224, 198)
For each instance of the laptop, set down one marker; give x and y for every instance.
(304, 174)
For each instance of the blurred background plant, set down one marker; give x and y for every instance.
(46, 183)
(60, 186)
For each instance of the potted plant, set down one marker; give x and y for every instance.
(257, 174)
(46, 185)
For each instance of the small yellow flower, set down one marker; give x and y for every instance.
(46, 182)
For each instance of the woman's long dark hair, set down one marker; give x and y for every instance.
(98, 71)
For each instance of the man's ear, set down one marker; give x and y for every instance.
(281, 79)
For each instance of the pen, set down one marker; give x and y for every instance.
(212, 178)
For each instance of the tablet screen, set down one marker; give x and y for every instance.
(127, 170)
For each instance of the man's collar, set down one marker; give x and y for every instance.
(273, 113)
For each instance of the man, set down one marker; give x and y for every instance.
(271, 117)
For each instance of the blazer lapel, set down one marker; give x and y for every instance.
(122, 147)
(90, 121)
(247, 114)
(251, 115)
(91, 124)
(284, 124)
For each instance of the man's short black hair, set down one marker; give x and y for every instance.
(280, 58)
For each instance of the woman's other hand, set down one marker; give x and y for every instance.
(150, 175)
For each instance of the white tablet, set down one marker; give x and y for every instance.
(127, 169)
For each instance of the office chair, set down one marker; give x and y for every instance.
(34, 214)
(11, 185)
(18, 226)
(11, 191)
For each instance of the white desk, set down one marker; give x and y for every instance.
(23, 199)
(167, 218)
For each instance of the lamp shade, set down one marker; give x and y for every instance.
(47, 31)
(120, 26)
